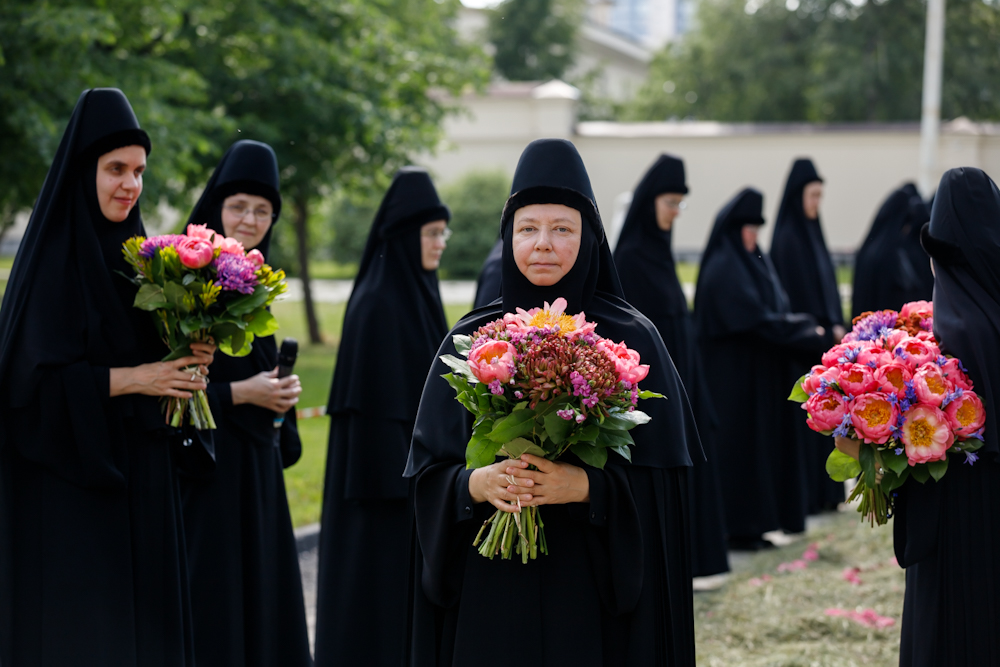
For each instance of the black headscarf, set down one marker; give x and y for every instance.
(488, 283)
(963, 238)
(394, 319)
(65, 304)
(753, 288)
(551, 171)
(799, 252)
(644, 254)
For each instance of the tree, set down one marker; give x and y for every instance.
(535, 40)
(476, 201)
(823, 61)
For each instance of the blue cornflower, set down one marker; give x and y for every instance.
(948, 398)
(845, 424)
(911, 391)
(971, 458)
(978, 435)
(941, 360)
(899, 451)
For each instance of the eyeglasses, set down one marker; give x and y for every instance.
(260, 215)
(436, 234)
(676, 205)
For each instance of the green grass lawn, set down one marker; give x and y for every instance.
(5, 264)
(304, 480)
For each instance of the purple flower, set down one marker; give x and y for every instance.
(845, 424)
(496, 388)
(580, 419)
(235, 273)
(566, 414)
(518, 395)
(971, 458)
(951, 397)
(875, 325)
(154, 243)
(899, 451)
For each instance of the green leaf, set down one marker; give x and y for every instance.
(248, 302)
(237, 345)
(150, 297)
(868, 465)
(188, 279)
(588, 433)
(178, 352)
(462, 343)
(624, 452)
(460, 366)
(175, 294)
(891, 481)
(513, 426)
(481, 451)
(156, 269)
(592, 456)
(798, 394)
(625, 421)
(841, 467)
(894, 462)
(557, 427)
(519, 446)
(937, 469)
(920, 473)
(645, 394)
(263, 323)
(613, 439)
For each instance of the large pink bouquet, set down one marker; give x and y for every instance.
(542, 382)
(200, 286)
(888, 385)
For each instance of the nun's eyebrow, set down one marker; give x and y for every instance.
(535, 220)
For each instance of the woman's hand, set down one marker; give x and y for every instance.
(489, 485)
(266, 390)
(162, 378)
(205, 352)
(848, 446)
(554, 483)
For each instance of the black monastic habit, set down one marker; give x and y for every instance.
(488, 283)
(246, 588)
(615, 588)
(392, 327)
(645, 262)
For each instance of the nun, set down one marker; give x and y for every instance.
(246, 588)
(747, 332)
(615, 587)
(645, 261)
(92, 558)
(488, 283)
(891, 268)
(392, 327)
(805, 268)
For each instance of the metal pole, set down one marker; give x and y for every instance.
(930, 117)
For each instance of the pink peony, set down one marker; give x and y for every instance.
(813, 382)
(231, 246)
(204, 233)
(965, 414)
(550, 316)
(626, 361)
(920, 308)
(873, 416)
(926, 435)
(874, 356)
(833, 356)
(493, 360)
(915, 352)
(256, 258)
(931, 385)
(195, 253)
(826, 411)
(892, 378)
(953, 371)
(926, 336)
(856, 380)
(895, 337)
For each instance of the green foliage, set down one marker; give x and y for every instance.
(476, 201)
(351, 220)
(535, 40)
(823, 61)
(798, 394)
(841, 467)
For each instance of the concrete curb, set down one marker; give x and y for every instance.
(307, 538)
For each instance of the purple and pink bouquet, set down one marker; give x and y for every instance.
(888, 386)
(200, 286)
(542, 382)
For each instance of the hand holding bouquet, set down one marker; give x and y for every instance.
(542, 382)
(888, 386)
(201, 286)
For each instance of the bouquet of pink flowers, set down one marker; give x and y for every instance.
(542, 382)
(202, 286)
(888, 385)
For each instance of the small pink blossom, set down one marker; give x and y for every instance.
(195, 253)
(866, 617)
(926, 435)
(256, 258)
(926, 336)
(874, 416)
(850, 575)
(966, 414)
(931, 385)
(794, 566)
(811, 554)
(761, 580)
(921, 308)
(493, 360)
(231, 246)
(204, 233)
(826, 411)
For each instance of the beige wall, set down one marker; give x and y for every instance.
(861, 164)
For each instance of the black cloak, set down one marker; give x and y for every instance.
(92, 558)
(618, 566)
(747, 331)
(392, 326)
(488, 284)
(246, 588)
(805, 268)
(891, 268)
(946, 532)
(645, 262)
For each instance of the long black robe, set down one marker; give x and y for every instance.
(392, 326)
(805, 268)
(246, 587)
(746, 332)
(92, 564)
(488, 283)
(891, 268)
(947, 534)
(645, 262)
(615, 588)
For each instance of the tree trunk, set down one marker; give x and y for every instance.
(301, 206)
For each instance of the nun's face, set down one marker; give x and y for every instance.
(812, 194)
(247, 218)
(119, 181)
(433, 239)
(668, 207)
(546, 241)
(749, 236)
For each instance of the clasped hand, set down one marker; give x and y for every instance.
(506, 482)
(165, 378)
(268, 391)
